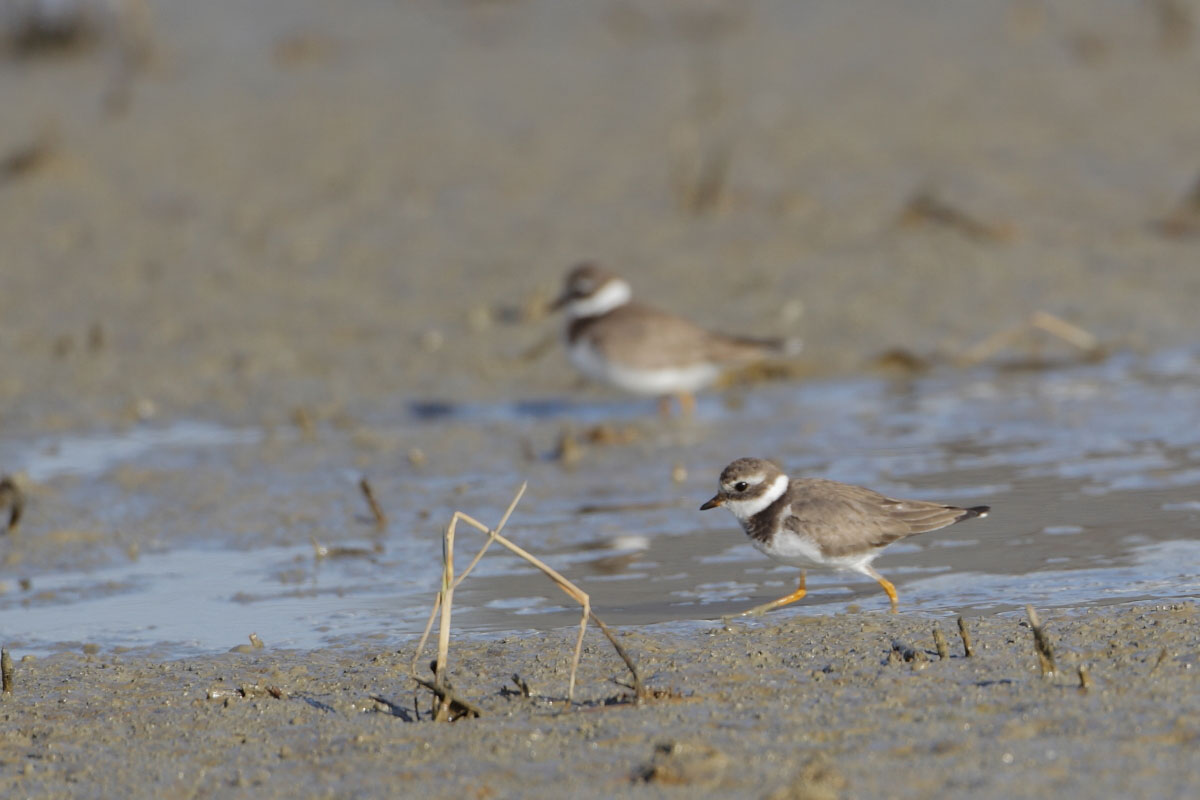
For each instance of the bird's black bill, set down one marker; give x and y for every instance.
(713, 503)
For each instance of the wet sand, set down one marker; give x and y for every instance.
(858, 705)
(191, 535)
(303, 221)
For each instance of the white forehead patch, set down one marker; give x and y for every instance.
(744, 509)
(611, 295)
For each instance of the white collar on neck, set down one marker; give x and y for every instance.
(744, 509)
(613, 294)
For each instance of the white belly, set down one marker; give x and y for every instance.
(798, 551)
(801, 551)
(641, 381)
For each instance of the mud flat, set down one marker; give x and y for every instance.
(323, 210)
(300, 226)
(856, 705)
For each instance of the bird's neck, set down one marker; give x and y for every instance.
(612, 295)
(745, 509)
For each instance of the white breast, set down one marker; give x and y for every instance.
(788, 547)
(799, 550)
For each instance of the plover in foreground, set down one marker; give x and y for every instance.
(812, 522)
(614, 339)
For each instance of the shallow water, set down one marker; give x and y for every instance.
(1093, 473)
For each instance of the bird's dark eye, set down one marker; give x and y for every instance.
(741, 486)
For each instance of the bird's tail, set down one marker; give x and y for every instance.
(974, 511)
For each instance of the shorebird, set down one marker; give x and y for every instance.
(813, 522)
(612, 338)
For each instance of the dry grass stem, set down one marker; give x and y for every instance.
(12, 497)
(28, 158)
(445, 599)
(376, 510)
(963, 632)
(1162, 656)
(567, 450)
(1041, 643)
(925, 207)
(902, 360)
(939, 641)
(6, 671)
(1059, 328)
(1175, 25)
(1184, 219)
(303, 419)
(447, 595)
(639, 690)
(454, 705)
(707, 188)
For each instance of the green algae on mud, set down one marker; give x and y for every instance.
(747, 712)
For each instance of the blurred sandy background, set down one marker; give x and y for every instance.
(292, 203)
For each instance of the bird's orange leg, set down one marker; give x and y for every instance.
(758, 611)
(664, 406)
(687, 404)
(887, 587)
